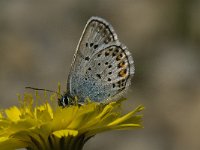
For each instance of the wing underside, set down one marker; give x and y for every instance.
(102, 66)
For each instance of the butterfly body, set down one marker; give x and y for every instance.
(102, 66)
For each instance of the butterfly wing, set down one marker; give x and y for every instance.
(96, 34)
(102, 67)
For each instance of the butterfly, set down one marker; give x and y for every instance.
(102, 67)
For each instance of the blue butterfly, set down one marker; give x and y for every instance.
(102, 67)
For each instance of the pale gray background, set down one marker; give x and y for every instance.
(38, 39)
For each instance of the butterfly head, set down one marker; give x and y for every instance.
(65, 100)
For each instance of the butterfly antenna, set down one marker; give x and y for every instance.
(39, 89)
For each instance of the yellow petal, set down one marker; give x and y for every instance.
(50, 110)
(13, 113)
(1, 116)
(126, 117)
(42, 113)
(65, 133)
(2, 139)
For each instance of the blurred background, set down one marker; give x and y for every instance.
(38, 40)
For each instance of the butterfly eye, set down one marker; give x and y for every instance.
(63, 101)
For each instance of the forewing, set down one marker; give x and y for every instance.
(96, 35)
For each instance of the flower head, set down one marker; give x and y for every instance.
(48, 126)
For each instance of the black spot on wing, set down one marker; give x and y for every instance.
(91, 44)
(99, 76)
(95, 46)
(113, 85)
(109, 66)
(87, 58)
(109, 79)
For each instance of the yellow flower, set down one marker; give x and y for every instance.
(50, 127)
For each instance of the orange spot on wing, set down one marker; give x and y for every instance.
(123, 73)
(121, 64)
